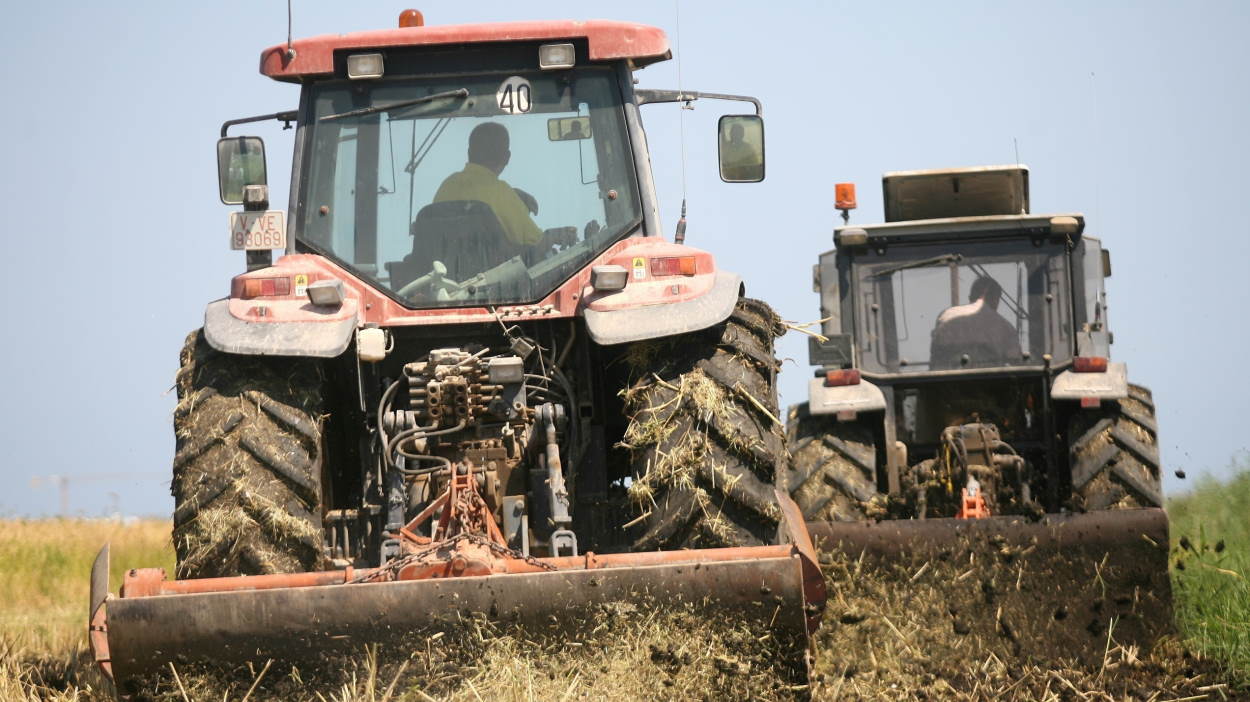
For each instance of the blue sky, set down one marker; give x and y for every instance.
(1133, 113)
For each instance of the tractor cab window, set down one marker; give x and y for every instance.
(937, 308)
(467, 191)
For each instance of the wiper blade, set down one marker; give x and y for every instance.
(461, 93)
(925, 263)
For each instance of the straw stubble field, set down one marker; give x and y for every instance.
(875, 644)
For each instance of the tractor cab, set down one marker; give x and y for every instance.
(961, 279)
(451, 168)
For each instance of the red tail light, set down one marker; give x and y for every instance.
(266, 287)
(837, 378)
(1090, 364)
(680, 265)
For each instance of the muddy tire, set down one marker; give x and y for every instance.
(247, 464)
(832, 473)
(703, 436)
(1114, 454)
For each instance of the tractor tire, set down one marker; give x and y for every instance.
(1114, 454)
(832, 474)
(247, 464)
(703, 437)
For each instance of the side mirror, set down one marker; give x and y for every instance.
(240, 162)
(568, 128)
(1106, 263)
(741, 148)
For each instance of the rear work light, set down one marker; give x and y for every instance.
(553, 56)
(1090, 364)
(838, 378)
(266, 287)
(679, 265)
(364, 66)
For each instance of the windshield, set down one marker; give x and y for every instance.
(945, 307)
(465, 191)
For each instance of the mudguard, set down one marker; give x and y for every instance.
(1110, 385)
(654, 321)
(861, 397)
(301, 333)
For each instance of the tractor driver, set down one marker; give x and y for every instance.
(975, 330)
(488, 156)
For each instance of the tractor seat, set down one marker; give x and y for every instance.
(464, 234)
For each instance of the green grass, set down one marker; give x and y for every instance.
(1210, 564)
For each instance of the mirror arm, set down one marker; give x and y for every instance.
(644, 97)
(287, 117)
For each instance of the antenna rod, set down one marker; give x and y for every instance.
(290, 50)
(680, 236)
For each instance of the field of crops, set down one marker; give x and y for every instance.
(873, 646)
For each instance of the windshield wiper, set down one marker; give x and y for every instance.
(461, 93)
(944, 258)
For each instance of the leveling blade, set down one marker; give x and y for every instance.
(299, 617)
(1059, 586)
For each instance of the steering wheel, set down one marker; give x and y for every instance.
(433, 278)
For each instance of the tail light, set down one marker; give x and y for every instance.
(838, 378)
(1090, 364)
(678, 265)
(266, 287)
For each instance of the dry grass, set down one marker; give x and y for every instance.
(44, 569)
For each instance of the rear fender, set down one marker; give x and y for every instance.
(282, 324)
(861, 397)
(656, 306)
(1109, 385)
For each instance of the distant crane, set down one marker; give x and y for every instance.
(62, 482)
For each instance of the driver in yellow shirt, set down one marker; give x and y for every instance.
(488, 156)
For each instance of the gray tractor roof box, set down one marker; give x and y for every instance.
(956, 192)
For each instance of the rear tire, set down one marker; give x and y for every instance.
(1114, 454)
(247, 467)
(832, 473)
(703, 436)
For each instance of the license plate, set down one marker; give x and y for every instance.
(257, 231)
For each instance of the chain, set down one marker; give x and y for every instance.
(390, 570)
(509, 553)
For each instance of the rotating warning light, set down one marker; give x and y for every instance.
(844, 196)
(411, 18)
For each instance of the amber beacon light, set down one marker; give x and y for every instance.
(411, 18)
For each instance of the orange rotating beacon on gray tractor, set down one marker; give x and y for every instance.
(479, 379)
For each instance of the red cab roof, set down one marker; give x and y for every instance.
(607, 40)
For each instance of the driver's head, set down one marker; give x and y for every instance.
(488, 146)
(988, 289)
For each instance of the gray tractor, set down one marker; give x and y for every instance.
(964, 365)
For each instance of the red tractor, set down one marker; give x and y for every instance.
(478, 356)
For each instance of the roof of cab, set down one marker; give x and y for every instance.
(955, 228)
(607, 40)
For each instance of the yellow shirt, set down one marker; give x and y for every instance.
(476, 182)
